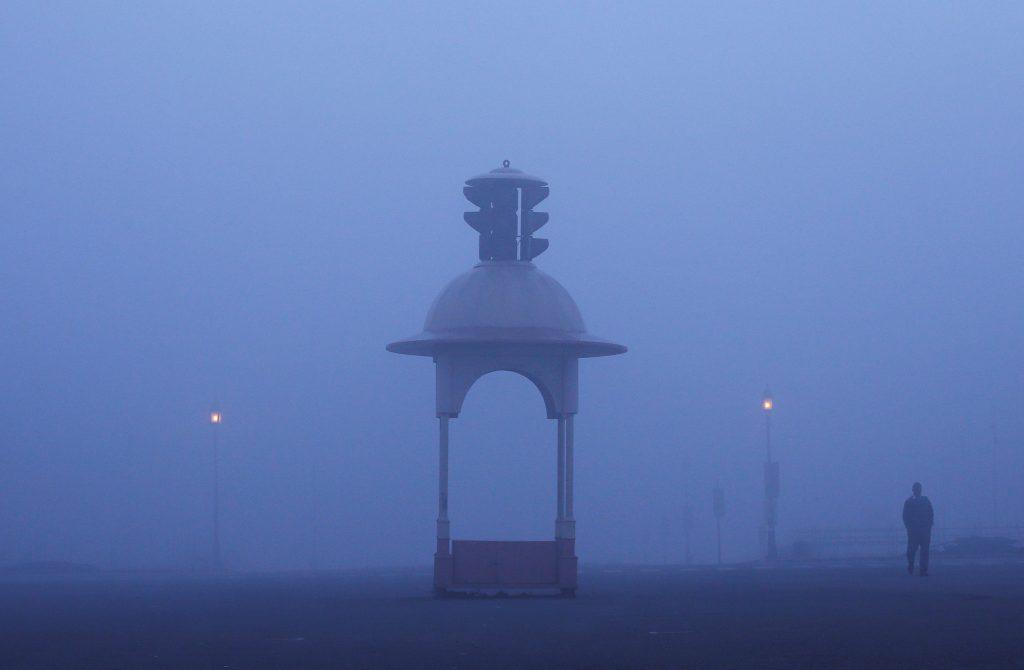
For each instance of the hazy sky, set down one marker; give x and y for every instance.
(244, 203)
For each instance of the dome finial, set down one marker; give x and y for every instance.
(505, 163)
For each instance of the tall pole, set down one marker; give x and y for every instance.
(718, 529)
(687, 528)
(718, 501)
(314, 518)
(560, 484)
(771, 481)
(442, 485)
(215, 420)
(995, 476)
(570, 519)
(687, 521)
(687, 511)
(442, 555)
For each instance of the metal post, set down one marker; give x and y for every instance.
(569, 439)
(718, 528)
(770, 492)
(565, 537)
(443, 554)
(769, 521)
(995, 477)
(687, 527)
(718, 502)
(687, 510)
(442, 484)
(314, 517)
(560, 473)
(217, 564)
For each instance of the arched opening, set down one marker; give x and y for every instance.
(502, 461)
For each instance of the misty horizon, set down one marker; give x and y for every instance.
(208, 206)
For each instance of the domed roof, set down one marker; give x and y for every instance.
(505, 302)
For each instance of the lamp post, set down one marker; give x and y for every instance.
(995, 476)
(687, 509)
(718, 502)
(771, 482)
(215, 420)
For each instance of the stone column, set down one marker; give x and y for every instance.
(570, 518)
(566, 538)
(442, 557)
(560, 469)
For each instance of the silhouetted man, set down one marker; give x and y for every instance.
(918, 517)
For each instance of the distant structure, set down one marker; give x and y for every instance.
(505, 314)
(216, 418)
(687, 512)
(718, 503)
(687, 531)
(771, 484)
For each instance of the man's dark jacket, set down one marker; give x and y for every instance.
(917, 514)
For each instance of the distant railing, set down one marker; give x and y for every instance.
(847, 542)
(944, 535)
(883, 542)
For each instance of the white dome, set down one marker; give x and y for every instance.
(497, 294)
(505, 302)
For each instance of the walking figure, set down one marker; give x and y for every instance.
(918, 517)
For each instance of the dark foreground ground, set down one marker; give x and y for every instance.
(798, 616)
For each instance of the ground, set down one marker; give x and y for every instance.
(811, 615)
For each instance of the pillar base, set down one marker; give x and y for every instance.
(442, 573)
(442, 566)
(568, 565)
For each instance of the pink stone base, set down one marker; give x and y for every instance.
(523, 566)
(442, 573)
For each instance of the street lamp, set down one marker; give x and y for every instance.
(771, 482)
(768, 404)
(718, 501)
(216, 418)
(687, 507)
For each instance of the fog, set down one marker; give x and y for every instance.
(242, 204)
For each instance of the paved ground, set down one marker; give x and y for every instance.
(853, 615)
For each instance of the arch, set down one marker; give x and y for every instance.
(545, 393)
(554, 372)
(554, 376)
(502, 451)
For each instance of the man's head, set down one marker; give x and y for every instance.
(917, 488)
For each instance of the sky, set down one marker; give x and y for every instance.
(243, 203)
